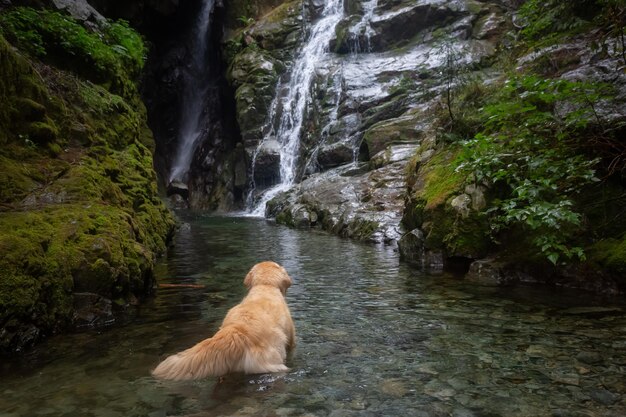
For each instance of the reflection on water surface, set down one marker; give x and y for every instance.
(375, 338)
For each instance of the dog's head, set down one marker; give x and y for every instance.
(268, 273)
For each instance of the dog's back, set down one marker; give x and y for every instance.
(254, 337)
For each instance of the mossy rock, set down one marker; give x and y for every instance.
(610, 254)
(274, 25)
(81, 210)
(387, 132)
(438, 179)
(435, 183)
(42, 133)
(112, 55)
(30, 109)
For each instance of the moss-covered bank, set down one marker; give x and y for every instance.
(525, 172)
(79, 209)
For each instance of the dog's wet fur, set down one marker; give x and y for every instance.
(254, 337)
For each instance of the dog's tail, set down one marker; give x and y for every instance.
(217, 356)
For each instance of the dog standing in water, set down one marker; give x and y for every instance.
(253, 338)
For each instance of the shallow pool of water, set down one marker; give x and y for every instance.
(375, 338)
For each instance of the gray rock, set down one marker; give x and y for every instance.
(267, 163)
(461, 204)
(360, 204)
(177, 201)
(334, 155)
(591, 358)
(179, 188)
(486, 272)
(80, 10)
(604, 396)
(411, 248)
(477, 194)
(403, 23)
(489, 26)
(92, 310)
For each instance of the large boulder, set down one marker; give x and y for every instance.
(396, 26)
(351, 201)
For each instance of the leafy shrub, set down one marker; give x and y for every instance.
(127, 44)
(543, 18)
(114, 56)
(531, 146)
(547, 21)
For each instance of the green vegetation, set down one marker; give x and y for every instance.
(550, 162)
(113, 57)
(533, 151)
(79, 207)
(547, 22)
(246, 21)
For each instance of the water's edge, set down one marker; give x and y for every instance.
(375, 337)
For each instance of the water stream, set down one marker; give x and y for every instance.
(195, 88)
(375, 338)
(287, 113)
(362, 32)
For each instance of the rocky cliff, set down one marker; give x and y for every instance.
(480, 135)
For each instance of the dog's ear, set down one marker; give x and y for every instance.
(248, 280)
(285, 281)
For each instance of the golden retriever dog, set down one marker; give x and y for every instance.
(254, 337)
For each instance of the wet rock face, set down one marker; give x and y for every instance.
(79, 9)
(211, 177)
(365, 118)
(350, 201)
(253, 75)
(396, 23)
(255, 57)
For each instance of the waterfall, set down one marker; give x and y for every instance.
(287, 123)
(195, 88)
(364, 28)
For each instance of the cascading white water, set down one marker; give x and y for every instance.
(364, 27)
(287, 128)
(195, 87)
(335, 90)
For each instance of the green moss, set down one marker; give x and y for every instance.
(285, 217)
(78, 192)
(112, 57)
(440, 178)
(435, 183)
(15, 181)
(79, 247)
(29, 109)
(610, 254)
(342, 29)
(42, 132)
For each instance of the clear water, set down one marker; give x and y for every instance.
(375, 338)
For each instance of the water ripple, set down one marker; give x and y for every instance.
(374, 338)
